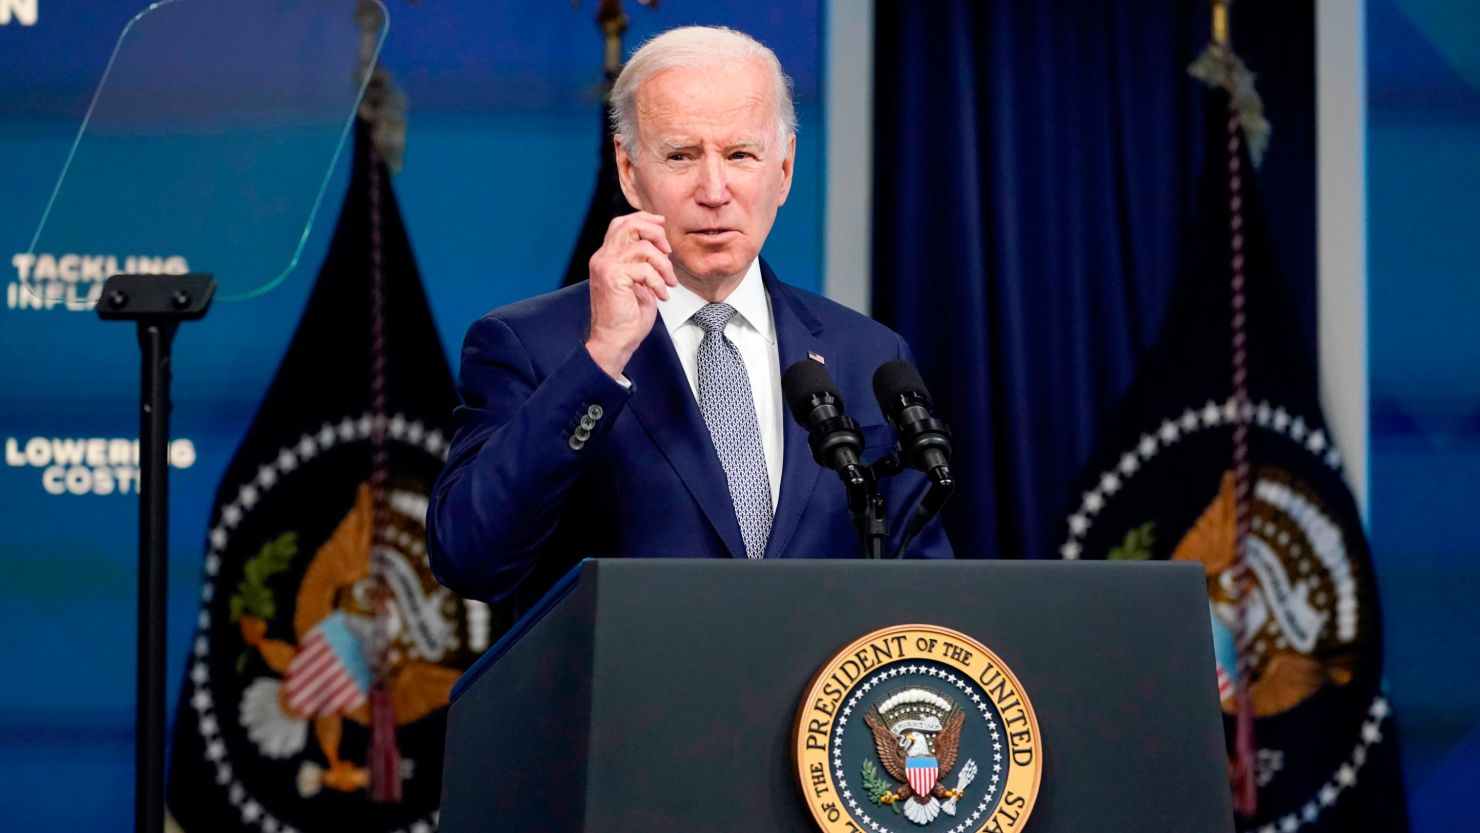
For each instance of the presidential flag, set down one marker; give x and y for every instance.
(1220, 455)
(317, 685)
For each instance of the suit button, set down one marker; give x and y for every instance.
(588, 423)
(582, 434)
(595, 412)
(576, 443)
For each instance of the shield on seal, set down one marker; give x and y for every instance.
(922, 772)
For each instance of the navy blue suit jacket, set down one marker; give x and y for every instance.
(519, 499)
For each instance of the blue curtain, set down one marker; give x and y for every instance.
(1035, 167)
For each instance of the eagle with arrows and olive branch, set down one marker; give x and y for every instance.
(917, 733)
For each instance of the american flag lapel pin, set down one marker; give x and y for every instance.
(816, 357)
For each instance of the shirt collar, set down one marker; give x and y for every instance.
(748, 299)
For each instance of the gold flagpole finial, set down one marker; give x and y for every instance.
(612, 21)
(1220, 21)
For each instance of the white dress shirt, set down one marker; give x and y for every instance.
(753, 331)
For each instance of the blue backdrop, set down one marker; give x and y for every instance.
(1069, 112)
(1423, 172)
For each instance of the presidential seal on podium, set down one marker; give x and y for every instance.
(917, 728)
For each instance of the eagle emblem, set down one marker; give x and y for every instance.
(1305, 630)
(951, 745)
(322, 680)
(917, 733)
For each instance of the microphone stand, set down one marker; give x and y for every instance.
(866, 508)
(870, 517)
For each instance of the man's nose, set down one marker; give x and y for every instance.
(713, 187)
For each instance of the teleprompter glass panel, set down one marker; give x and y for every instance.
(208, 144)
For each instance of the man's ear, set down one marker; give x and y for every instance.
(787, 166)
(625, 174)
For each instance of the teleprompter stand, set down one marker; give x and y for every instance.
(156, 304)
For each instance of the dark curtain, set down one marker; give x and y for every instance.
(1035, 171)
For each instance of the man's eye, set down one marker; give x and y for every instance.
(677, 157)
(742, 154)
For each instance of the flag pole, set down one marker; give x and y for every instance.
(612, 20)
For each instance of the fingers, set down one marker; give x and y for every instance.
(635, 251)
(644, 251)
(645, 296)
(644, 277)
(637, 226)
(640, 263)
(630, 274)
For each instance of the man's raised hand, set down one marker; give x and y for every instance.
(630, 273)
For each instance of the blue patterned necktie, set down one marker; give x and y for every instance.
(728, 407)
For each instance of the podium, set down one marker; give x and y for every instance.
(662, 695)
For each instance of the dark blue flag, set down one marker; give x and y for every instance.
(320, 619)
(1219, 454)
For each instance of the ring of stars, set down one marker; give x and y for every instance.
(1344, 778)
(1173, 431)
(947, 677)
(288, 459)
(1169, 433)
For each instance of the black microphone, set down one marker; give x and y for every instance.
(836, 443)
(817, 404)
(924, 440)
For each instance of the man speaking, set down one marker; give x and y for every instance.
(640, 413)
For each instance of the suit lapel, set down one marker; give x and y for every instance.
(796, 337)
(664, 403)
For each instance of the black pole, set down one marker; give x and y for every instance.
(870, 516)
(155, 339)
(865, 507)
(157, 304)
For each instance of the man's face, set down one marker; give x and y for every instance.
(707, 159)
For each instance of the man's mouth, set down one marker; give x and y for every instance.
(712, 232)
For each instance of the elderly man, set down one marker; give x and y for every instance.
(590, 429)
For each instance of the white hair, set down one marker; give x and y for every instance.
(691, 47)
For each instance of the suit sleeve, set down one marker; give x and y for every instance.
(520, 445)
(909, 489)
